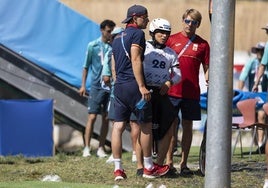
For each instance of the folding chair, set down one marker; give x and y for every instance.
(248, 110)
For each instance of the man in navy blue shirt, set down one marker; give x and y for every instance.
(128, 53)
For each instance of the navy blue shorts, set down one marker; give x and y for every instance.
(111, 111)
(98, 101)
(126, 97)
(190, 109)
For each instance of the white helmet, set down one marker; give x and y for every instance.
(159, 24)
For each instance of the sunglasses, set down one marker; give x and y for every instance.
(193, 22)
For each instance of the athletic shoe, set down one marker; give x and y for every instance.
(172, 173)
(101, 153)
(119, 175)
(261, 149)
(177, 153)
(134, 158)
(154, 155)
(156, 171)
(186, 172)
(139, 172)
(86, 152)
(110, 159)
(265, 183)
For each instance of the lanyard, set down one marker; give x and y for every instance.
(102, 51)
(122, 41)
(186, 46)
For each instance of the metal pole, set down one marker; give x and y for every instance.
(220, 95)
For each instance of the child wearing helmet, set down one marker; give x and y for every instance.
(162, 26)
(161, 71)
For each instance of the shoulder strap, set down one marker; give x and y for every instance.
(186, 45)
(122, 41)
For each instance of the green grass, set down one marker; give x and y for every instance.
(76, 171)
(38, 184)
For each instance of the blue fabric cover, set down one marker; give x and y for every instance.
(238, 96)
(26, 128)
(49, 34)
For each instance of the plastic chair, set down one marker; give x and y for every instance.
(248, 110)
(235, 126)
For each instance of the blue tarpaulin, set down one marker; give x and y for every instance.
(238, 95)
(49, 34)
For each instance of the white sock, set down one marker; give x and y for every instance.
(86, 147)
(148, 162)
(117, 164)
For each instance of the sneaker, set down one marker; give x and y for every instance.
(154, 155)
(139, 172)
(119, 175)
(101, 153)
(172, 173)
(186, 172)
(156, 171)
(134, 158)
(110, 159)
(260, 149)
(177, 153)
(265, 183)
(86, 152)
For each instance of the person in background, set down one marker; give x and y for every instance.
(192, 51)
(98, 97)
(261, 70)
(249, 73)
(161, 72)
(129, 89)
(250, 69)
(262, 66)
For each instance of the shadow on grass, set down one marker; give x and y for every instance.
(249, 166)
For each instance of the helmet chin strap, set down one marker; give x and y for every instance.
(157, 44)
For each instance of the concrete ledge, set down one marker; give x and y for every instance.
(68, 139)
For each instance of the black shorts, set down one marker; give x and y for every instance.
(163, 114)
(190, 109)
